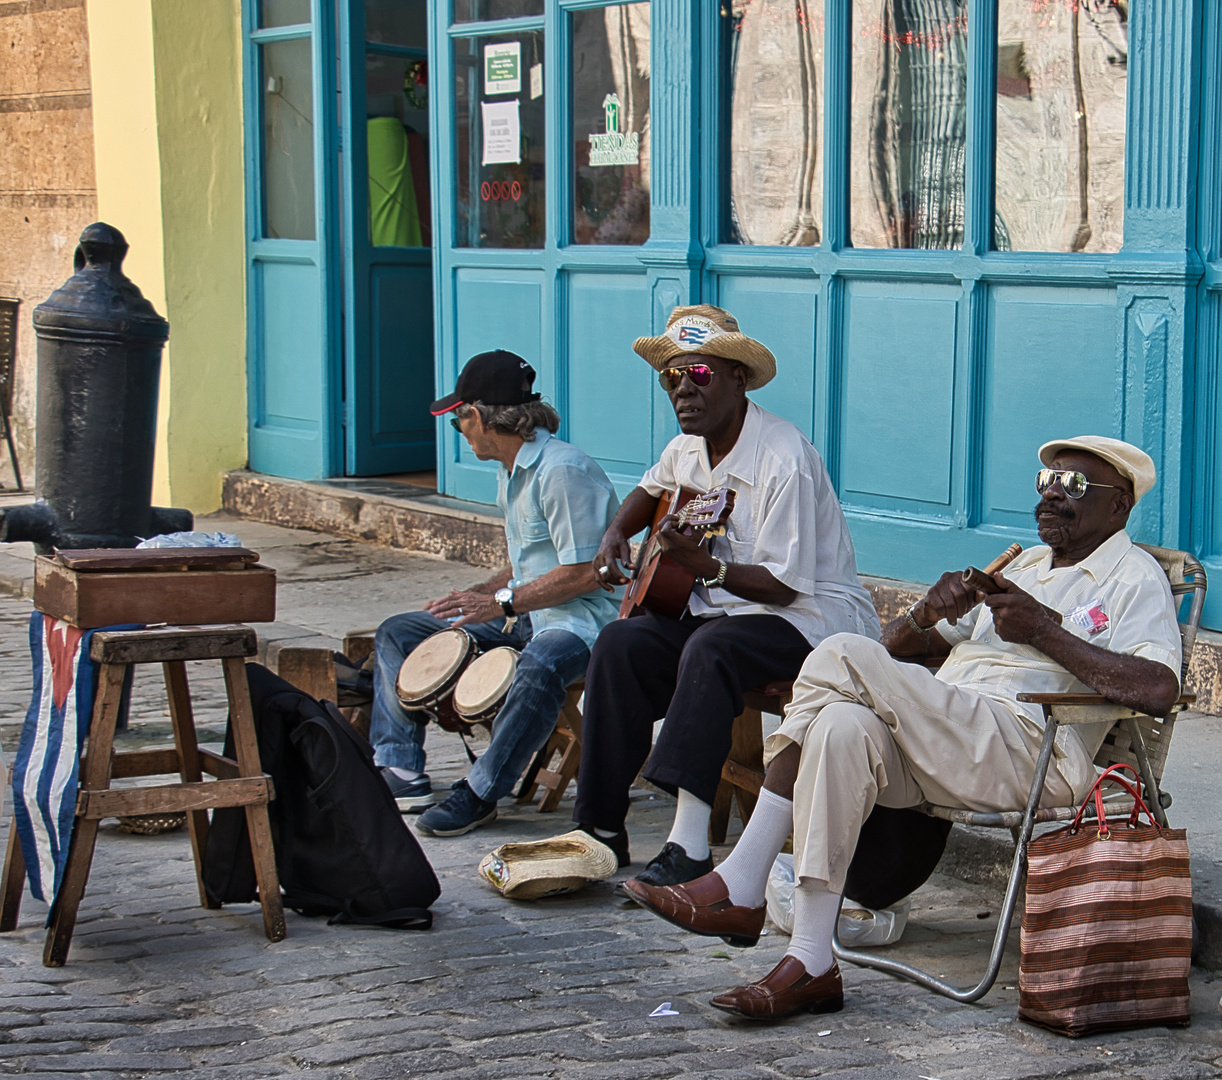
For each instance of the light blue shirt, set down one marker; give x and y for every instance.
(557, 503)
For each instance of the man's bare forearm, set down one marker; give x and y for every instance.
(1145, 685)
(556, 587)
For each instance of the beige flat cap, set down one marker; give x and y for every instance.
(1128, 460)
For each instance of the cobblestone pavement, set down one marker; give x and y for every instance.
(156, 986)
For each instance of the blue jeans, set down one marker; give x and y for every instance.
(549, 662)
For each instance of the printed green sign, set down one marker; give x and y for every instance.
(503, 68)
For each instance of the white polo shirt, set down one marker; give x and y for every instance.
(1117, 598)
(786, 518)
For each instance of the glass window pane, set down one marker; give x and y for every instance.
(611, 125)
(499, 139)
(773, 54)
(288, 140)
(396, 104)
(1062, 71)
(396, 22)
(482, 10)
(909, 123)
(283, 12)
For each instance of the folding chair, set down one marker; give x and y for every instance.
(1135, 739)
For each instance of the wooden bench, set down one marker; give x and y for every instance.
(312, 669)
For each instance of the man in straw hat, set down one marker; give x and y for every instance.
(556, 501)
(781, 579)
(1088, 611)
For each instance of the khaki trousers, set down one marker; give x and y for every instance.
(876, 730)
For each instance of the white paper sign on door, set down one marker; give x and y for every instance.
(502, 133)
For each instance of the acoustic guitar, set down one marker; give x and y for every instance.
(660, 584)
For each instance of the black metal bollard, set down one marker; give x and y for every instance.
(99, 370)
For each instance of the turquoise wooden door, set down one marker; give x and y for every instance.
(388, 273)
(294, 379)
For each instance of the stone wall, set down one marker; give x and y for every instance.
(47, 188)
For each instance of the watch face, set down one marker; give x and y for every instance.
(504, 596)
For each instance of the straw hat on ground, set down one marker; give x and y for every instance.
(560, 864)
(1128, 460)
(712, 331)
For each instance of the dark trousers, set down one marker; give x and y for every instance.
(693, 672)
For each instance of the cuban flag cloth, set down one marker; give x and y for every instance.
(46, 770)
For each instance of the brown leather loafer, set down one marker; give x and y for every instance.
(785, 990)
(703, 907)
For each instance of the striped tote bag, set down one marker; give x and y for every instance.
(1107, 930)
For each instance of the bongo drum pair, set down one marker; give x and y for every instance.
(448, 677)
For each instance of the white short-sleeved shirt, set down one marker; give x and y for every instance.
(786, 518)
(1117, 598)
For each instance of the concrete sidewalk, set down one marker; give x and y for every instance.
(156, 985)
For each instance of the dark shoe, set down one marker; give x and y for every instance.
(671, 866)
(703, 907)
(617, 843)
(785, 990)
(462, 811)
(411, 796)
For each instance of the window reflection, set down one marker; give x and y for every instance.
(288, 139)
(1062, 70)
(499, 139)
(482, 10)
(773, 53)
(611, 125)
(909, 123)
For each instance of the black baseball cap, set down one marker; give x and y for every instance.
(491, 378)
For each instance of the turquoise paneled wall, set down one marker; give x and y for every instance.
(927, 379)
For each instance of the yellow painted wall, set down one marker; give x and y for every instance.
(167, 99)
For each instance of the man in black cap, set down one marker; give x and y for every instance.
(557, 503)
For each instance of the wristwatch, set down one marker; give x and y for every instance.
(910, 619)
(717, 579)
(504, 597)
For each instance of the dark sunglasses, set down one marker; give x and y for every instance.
(671, 377)
(456, 424)
(1073, 483)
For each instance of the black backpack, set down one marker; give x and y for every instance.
(342, 847)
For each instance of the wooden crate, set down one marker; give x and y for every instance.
(92, 589)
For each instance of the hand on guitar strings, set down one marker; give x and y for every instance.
(465, 607)
(689, 552)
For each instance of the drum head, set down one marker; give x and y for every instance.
(486, 682)
(432, 663)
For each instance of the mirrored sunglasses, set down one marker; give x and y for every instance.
(1073, 483)
(671, 377)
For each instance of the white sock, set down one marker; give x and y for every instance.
(404, 774)
(814, 918)
(691, 828)
(606, 834)
(746, 868)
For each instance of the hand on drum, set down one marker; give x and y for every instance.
(465, 607)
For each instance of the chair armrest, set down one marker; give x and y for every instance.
(1086, 699)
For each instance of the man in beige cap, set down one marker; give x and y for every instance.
(1088, 611)
(782, 579)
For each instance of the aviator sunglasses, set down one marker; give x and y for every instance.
(700, 374)
(1073, 483)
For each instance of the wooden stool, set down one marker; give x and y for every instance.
(238, 783)
(566, 742)
(742, 775)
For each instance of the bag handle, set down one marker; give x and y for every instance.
(1115, 774)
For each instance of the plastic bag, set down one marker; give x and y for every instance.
(191, 539)
(858, 927)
